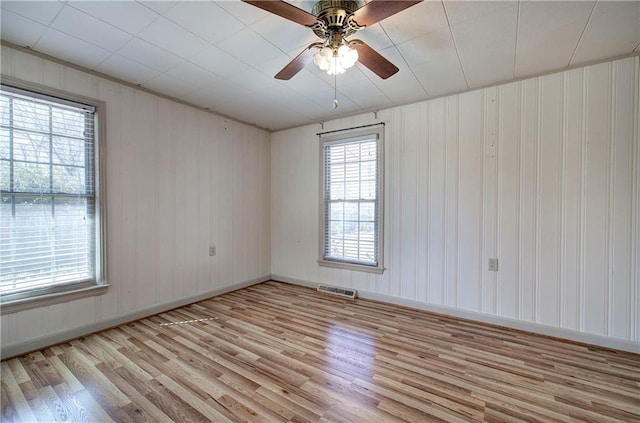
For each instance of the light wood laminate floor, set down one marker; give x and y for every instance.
(276, 352)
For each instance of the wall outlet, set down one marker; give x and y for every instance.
(493, 264)
(212, 251)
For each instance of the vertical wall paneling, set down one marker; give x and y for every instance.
(407, 224)
(624, 118)
(178, 179)
(236, 241)
(8, 328)
(541, 173)
(634, 288)
(612, 163)
(571, 226)
(508, 195)
(224, 251)
(435, 202)
(581, 201)
(264, 199)
(536, 166)
(394, 202)
(528, 206)
(140, 158)
(423, 194)
(489, 200)
(549, 202)
(452, 141)
(596, 196)
(470, 201)
(182, 182)
(165, 205)
(126, 167)
(562, 221)
(520, 209)
(212, 149)
(202, 275)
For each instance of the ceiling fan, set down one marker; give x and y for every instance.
(333, 21)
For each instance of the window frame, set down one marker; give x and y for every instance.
(345, 137)
(41, 297)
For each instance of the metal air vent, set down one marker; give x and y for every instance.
(343, 292)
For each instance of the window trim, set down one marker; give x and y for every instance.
(13, 303)
(345, 136)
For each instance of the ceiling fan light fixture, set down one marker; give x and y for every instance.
(336, 61)
(332, 21)
(323, 58)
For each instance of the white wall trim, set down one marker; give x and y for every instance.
(8, 351)
(535, 328)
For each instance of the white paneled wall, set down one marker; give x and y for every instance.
(542, 174)
(178, 180)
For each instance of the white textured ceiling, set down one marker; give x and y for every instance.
(222, 55)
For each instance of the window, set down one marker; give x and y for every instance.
(50, 233)
(352, 201)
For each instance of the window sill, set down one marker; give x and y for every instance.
(351, 266)
(22, 304)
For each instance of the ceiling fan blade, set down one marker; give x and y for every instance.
(285, 10)
(377, 10)
(374, 60)
(297, 64)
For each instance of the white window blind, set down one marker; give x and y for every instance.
(48, 193)
(351, 200)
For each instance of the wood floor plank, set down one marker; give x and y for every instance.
(36, 402)
(194, 401)
(55, 405)
(277, 352)
(17, 370)
(172, 405)
(72, 383)
(291, 402)
(140, 408)
(14, 404)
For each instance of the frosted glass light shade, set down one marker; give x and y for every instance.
(336, 61)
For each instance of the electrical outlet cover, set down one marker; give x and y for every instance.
(493, 264)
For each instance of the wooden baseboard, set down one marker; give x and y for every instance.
(537, 328)
(12, 350)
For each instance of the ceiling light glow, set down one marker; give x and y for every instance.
(336, 60)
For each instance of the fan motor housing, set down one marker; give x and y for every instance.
(334, 14)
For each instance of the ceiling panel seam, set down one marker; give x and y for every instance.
(584, 30)
(455, 45)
